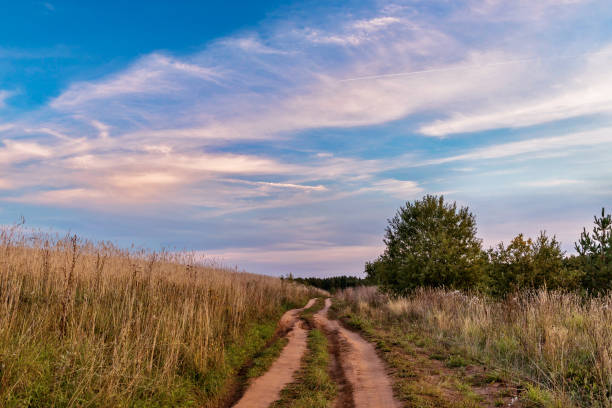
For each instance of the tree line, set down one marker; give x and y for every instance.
(433, 243)
(330, 284)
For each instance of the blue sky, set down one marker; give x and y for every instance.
(280, 136)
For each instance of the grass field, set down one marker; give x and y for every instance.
(85, 324)
(556, 347)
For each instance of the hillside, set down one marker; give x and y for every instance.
(91, 324)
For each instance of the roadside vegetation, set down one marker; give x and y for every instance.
(264, 359)
(92, 324)
(333, 283)
(313, 386)
(464, 325)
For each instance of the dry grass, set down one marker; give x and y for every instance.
(94, 325)
(559, 344)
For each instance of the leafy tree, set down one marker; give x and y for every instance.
(375, 270)
(595, 254)
(527, 263)
(429, 243)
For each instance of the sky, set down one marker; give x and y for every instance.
(280, 136)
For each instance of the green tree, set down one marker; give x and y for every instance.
(529, 264)
(429, 243)
(595, 254)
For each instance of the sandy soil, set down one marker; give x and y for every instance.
(266, 389)
(364, 370)
(355, 366)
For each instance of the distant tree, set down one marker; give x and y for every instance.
(333, 283)
(429, 243)
(595, 254)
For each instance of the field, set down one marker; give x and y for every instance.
(84, 324)
(548, 349)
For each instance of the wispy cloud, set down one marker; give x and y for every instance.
(586, 92)
(154, 74)
(344, 259)
(402, 189)
(4, 95)
(310, 114)
(550, 183)
(531, 146)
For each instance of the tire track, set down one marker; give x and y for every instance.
(369, 385)
(266, 389)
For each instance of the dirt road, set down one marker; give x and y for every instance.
(266, 389)
(369, 384)
(358, 371)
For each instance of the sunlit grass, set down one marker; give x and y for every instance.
(91, 324)
(558, 344)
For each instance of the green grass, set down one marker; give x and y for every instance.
(427, 372)
(308, 314)
(536, 397)
(264, 359)
(41, 363)
(314, 387)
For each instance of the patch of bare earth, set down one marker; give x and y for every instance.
(266, 389)
(366, 375)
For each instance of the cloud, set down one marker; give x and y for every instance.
(375, 24)
(398, 188)
(339, 259)
(13, 152)
(5, 184)
(6, 126)
(317, 115)
(102, 128)
(586, 92)
(154, 74)
(4, 95)
(550, 183)
(530, 146)
(281, 185)
(252, 44)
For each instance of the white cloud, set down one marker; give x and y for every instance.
(550, 183)
(102, 128)
(252, 44)
(178, 123)
(404, 189)
(280, 185)
(375, 24)
(6, 126)
(583, 93)
(338, 259)
(154, 74)
(548, 145)
(4, 95)
(14, 152)
(5, 184)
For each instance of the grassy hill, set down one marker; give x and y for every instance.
(84, 324)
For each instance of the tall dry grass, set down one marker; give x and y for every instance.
(559, 341)
(85, 324)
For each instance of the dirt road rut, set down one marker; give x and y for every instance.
(364, 370)
(358, 371)
(266, 389)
